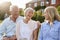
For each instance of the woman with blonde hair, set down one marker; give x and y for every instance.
(50, 29)
(25, 29)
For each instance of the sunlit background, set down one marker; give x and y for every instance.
(37, 5)
(19, 3)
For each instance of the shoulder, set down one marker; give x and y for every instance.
(33, 21)
(19, 22)
(6, 20)
(34, 24)
(20, 17)
(43, 24)
(59, 22)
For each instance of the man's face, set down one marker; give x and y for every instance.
(15, 12)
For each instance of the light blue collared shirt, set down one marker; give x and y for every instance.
(48, 32)
(8, 27)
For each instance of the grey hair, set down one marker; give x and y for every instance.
(28, 9)
(12, 6)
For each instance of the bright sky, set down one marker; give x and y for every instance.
(19, 3)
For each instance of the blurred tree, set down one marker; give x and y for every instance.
(4, 8)
(2, 15)
(35, 16)
(43, 7)
(37, 8)
(39, 13)
(58, 8)
(38, 16)
(21, 11)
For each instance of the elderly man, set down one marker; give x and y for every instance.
(8, 26)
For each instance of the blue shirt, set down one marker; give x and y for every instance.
(8, 27)
(48, 32)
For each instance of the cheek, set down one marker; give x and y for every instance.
(30, 15)
(46, 16)
(16, 15)
(26, 14)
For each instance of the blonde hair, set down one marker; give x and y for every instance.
(52, 13)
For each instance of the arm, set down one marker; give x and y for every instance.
(59, 33)
(40, 36)
(2, 29)
(36, 31)
(38, 25)
(17, 31)
(35, 34)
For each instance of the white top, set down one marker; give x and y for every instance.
(26, 30)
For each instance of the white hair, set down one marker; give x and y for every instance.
(12, 6)
(28, 9)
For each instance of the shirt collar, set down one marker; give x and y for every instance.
(10, 19)
(55, 21)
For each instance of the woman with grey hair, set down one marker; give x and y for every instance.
(25, 29)
(50, 29)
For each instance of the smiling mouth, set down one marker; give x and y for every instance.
(29, 16)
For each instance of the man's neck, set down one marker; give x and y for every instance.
(13, 19)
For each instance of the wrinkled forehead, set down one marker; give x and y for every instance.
(13, 8)
(29, 11)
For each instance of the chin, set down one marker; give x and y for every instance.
(15, 17)
(28, 18)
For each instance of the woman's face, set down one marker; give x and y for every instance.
(46, 16)
(29, 14)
